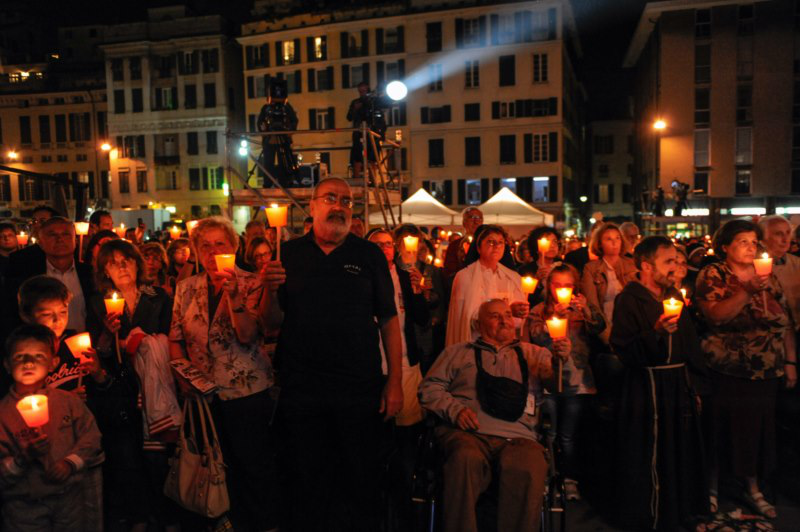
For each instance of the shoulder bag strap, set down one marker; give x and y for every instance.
(523, 365)
(201, 408)
(211, 424)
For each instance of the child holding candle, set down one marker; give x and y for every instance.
(583, 322)
(39, 467)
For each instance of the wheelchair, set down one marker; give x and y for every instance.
(427, 488)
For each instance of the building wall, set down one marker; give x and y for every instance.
(76, 154)
(672, 48)
(612, 167)
(449, 181)
(190, 184)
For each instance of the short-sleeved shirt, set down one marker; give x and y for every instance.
(751, 345)
(333, 307)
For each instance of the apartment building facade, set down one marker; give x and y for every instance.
(493, 97)
(723, 77)
(174, 87)
(612, 149)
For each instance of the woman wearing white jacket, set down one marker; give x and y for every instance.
(485, 278)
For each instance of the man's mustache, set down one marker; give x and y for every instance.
(339, 216)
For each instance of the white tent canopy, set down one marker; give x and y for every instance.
(420, 209)
(506, 208)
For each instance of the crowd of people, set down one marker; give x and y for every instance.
(324, 369)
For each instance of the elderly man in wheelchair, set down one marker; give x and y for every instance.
(486, 392)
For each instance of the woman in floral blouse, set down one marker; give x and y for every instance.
(215, 326)
(566, 409)
(750, 347)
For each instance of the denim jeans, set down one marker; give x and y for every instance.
(565, 413)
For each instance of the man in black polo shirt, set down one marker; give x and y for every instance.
(331, 295)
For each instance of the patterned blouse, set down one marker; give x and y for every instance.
(580, 330)
(238, 370)
(751, 345)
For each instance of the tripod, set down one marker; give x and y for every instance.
(278, 158)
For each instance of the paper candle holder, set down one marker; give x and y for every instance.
(411, 243)
(78, 344)
(672, 306)
(763, 265)
(114, 304)
(277, 215)
(22, 239)
(529, 284)
(564, 295)
(81, 228)
(557, 327)
(225, 262)
(34, 411)
(543, 244)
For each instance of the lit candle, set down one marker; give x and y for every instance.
(683, 293)
(277, 215)
(529, 284)
(411, 243)
(710, 251)
(175, 232)
(33, 410)
(225, 262)
(437, 263)
(672, 307)
(430, 259)
(120, 230)
(114, 304)
(557, 327)
(564, 295)
(544, 245)
(78, 344)
(469, 238)
(22, 239)
(81, 228)
(763, 265)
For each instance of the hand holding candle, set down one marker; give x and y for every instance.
(672, 307)
(114, 304)
(225, 262)
(529, 284)
(557, 328)
(763, 265)
(33, 410)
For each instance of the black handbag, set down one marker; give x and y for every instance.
(501, 397)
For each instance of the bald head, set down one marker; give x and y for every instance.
(495, 322)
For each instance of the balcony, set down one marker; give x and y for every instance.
(167, 160)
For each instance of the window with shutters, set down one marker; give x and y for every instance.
(324, 79)
(320, 48)
(211, 142)
(700, 183)
(119, 101)
(472, 151)
(323, 119)
(209, 95)
(743, 181)
(433, 36)
(473, 191)
(395, 71)
(434, 78)
(702, 23)
(507, 71)
(472, 32)
(603, 193)
(472, 74)
(79, 127)
(141, 180)
(541, 189)
(508, 149)
(5, 187)
(393, 40)
(507, 110)
(117, 73)
(192, 143)
(166, 98)
(124, 181)
(288, 53)
(396, 115)
(190, 96)
(435, 115)
(702, 107)
(25, 130)
(439, 190)
(435, 152)
(44, 130)
(135, 67)
(358, 73)
(504, 29)
(472, 112)
(539, 68)
(210, 60)
(137, 100)
(294, 82)
(355, 44)
(257, 56)
(189, 63)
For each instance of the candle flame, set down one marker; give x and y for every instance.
(273, 205)
(34, 403)
(765, 255)
(672, 301)
(22, 233)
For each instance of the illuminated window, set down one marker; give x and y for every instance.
(319, 48)
(288, 52)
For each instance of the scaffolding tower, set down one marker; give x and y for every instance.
(378, 188)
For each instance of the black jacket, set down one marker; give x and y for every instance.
(416, 314)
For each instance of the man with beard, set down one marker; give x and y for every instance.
(330, 295)
(660, 474)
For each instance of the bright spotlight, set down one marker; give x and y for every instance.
(593, 220)
(243, 143)
(396, 90)
(583, 199)
(243, 151)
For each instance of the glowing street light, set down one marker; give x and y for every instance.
(13, 155)
(659, 125)
(396, 90)
(106, 147)
(584, 199)
(243, 144)
(243, 151)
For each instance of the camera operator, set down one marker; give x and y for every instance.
(278, 115)
(368, 107)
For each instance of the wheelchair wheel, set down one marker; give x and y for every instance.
(554, 509)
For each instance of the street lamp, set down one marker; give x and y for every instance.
(659, 125)
(13, 155)
(584, 199)
(106, 147)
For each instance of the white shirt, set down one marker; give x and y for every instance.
(401, 318)
(77, 306)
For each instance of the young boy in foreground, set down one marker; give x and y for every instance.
(40, 467)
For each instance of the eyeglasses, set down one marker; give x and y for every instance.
(332, 199)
